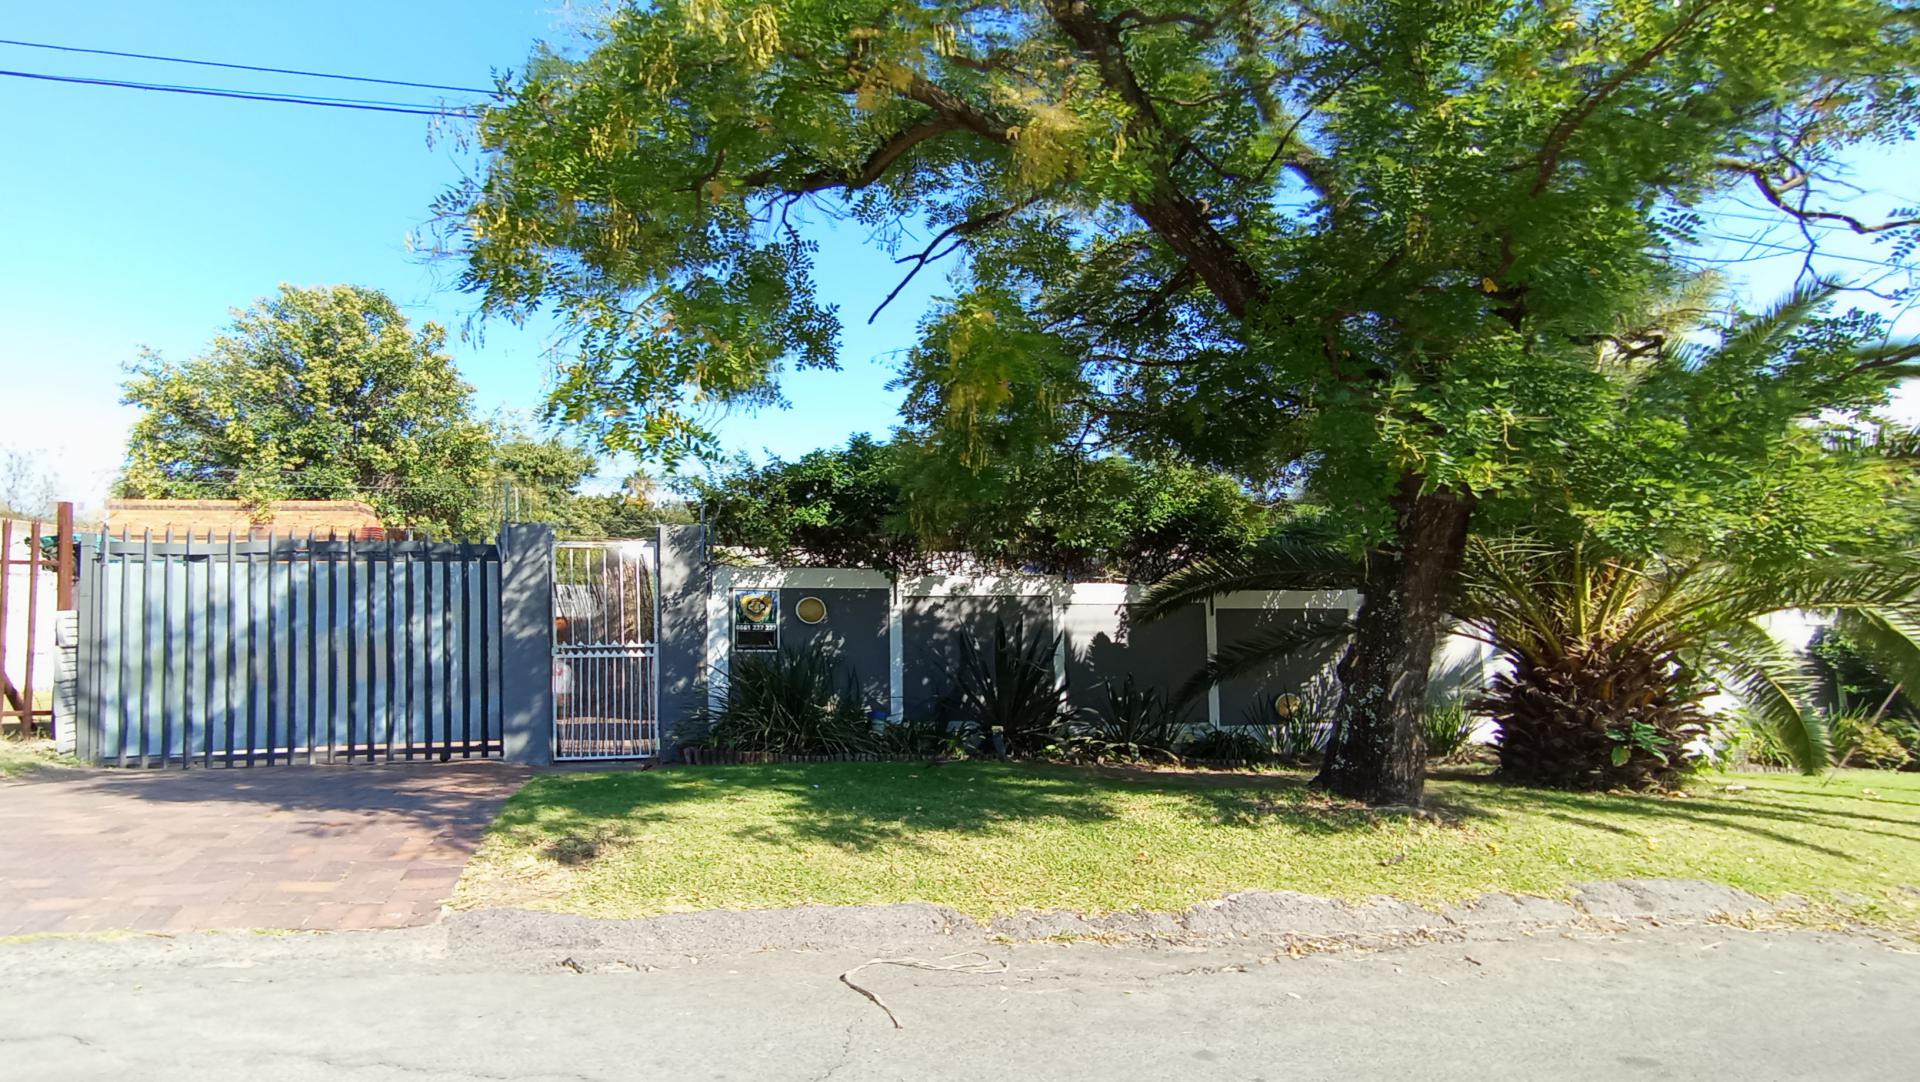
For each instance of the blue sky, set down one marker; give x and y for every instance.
(130, 218)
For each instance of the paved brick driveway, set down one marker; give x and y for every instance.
(281, 847)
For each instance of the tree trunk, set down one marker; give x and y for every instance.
(1377, 751)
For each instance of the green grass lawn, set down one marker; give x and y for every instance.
(990, 838)
(17, 757)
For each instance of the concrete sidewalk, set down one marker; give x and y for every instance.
(325, 847)
(1631, 1000)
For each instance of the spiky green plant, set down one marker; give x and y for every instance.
(1006, 694)
(795, 701)
(1133, 723)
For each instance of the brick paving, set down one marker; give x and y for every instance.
(298, 847)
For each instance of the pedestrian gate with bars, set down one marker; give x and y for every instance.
(606, 669)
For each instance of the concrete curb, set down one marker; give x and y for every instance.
(1260, 923)
(1277, 918)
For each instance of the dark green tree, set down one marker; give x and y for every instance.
(899, 507)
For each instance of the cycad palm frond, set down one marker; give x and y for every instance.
(1258, 650)
(1776, 688)
(1752, 344)
(1283, 562)
(1888, 638)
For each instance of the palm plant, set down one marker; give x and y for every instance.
(1302, 558)
(1610, 658)
(789, 702)
(1006, 692)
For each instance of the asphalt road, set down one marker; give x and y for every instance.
(1643, 1002)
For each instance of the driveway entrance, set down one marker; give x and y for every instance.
(301, 847)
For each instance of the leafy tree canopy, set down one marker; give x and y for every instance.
(1755, 437)
(542, 479)
(322, 393)
(897, 507)
(1246, 230)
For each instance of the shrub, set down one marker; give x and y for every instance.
(1449, 728)
(916, 736)
(1228, 746)
(788, 703)
(1006, 693)
(1300, 735)
(1862, 740)
(1134, 724)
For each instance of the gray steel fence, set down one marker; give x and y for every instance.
(258, 651)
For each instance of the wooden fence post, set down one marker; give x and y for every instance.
(63, 556)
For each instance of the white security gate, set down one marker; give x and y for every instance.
(606, 673)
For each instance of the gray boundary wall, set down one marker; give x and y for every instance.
(917, 622)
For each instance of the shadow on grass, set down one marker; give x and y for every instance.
(1592, 810)
(863, 806)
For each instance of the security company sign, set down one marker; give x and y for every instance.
(756, 620)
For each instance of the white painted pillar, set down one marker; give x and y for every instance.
(719, 633)
(896, 655)
(1062, 597)
(1213, 648)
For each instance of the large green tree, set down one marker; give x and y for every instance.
(1367, 241)
(315, 394)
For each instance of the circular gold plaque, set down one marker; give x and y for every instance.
(810, 610)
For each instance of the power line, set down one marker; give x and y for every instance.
(412, 108)
(1783, 250)
(242, 67)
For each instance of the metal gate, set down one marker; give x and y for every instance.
(606, 674)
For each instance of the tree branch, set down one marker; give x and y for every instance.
(1569, 123)
(957, 232)
(1173, 215)
(873, 168)
(1776, 195)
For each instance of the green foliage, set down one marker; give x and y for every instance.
(1599, 644)
(897, 507)
(1133, 724)
(829, 508)
(1846, 678)
(314, 394)
(1861, 739)
(789, 702)
(1301, 737)
(1373, 231)
(1367, 245)
(1005, 693)
(542, 480)
(1449, 729)
(1069, 513)
(916, 736)
(1237, 745)
(1744, 443)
